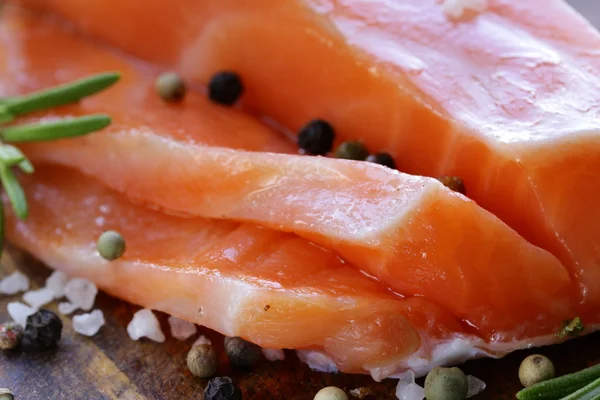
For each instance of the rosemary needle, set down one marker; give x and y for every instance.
(10, 155)
(14, 191)
(60, 129)
(59, 95)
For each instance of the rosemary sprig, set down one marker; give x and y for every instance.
(12, 107)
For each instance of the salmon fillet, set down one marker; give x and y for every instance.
(410, 232)
(223, 275)
(506, 97)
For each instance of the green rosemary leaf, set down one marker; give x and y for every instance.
(60, 95)
(60, 129)
(26, 166)
(14, 191)
(10, 155)
(5, 115)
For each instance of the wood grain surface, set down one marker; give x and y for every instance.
(111, 366)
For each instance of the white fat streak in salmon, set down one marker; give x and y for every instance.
(457, 8)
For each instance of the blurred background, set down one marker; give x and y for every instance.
(588, 8)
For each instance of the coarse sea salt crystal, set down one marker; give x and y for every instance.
(317, 361)
(145, 324)
(66, 307)
(455, 9)
(88, 324)
(38, 298)
(476, 386)
(181, 329)
(201, 340)
(81, 292)
(14, 283)
(57, 282)
(19, 312)
(407, 389)
(274, 354)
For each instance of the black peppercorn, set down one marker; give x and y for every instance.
(453, 183)
(42, 331)
(225, 88)
(242, 354)
(382, 159)
(316, 138)
(222, 388)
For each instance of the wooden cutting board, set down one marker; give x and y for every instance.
(111, 366)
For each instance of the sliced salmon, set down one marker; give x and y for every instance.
(410, 232)
(272, 288)
(506, 96)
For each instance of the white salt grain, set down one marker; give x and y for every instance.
(19, 312)
(476, 386)
(274, 354)
(38, 298)
(81, 292)
(407, 389)
(57, 282)
(14, 283)
(201, 340)
(66, 308)
(181, 329)
(317, 361)
(145, 324)
(88, 324)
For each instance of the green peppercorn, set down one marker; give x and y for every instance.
(242, 354)
(446, 384)
(11, 334)
(6, 394)
(382, 159)
(170, 87)
(331, 393)
(535, 369)
(110, 245)
(352, 151)
(453, 183)
(203, 361)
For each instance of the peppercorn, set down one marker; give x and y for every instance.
(6, 394)
(331, 393)
(42, 331)
(203, 361)
(170, 87)
(110, 245)
(382, 159)
(222, 388)
(535, 369)
(11, 334)
(453, 183)
(242, 354)
(225, 88)
(352, 151)
(316, 138)
(446, 384)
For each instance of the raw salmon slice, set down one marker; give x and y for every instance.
(223, 275)
(505, 96)
(410, 232)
